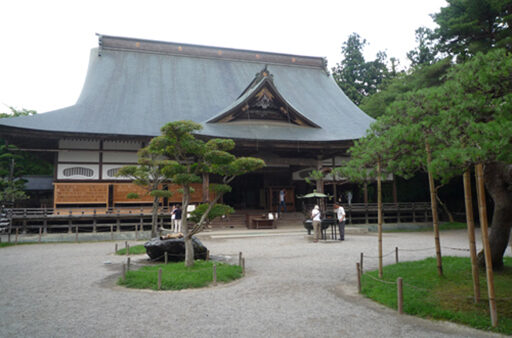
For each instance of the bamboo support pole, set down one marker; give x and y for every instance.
(482, 208)
(468, 199)
(358, 272)
(379, 213)
(400, 295)
(435, 217)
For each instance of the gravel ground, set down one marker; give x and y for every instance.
(292, 288)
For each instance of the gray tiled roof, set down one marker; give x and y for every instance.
(134, 92)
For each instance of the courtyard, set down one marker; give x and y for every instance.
(292, 288)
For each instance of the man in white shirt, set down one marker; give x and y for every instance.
(340, 212)
(317, 221)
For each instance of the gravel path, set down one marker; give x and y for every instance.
(293, 288)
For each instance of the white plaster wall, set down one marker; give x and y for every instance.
(62, 167)
(79, 144)
(116, 145)
(79, 156)
(119, 157)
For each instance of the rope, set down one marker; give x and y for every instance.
(389, 253)
(457, 249)
(380, 280)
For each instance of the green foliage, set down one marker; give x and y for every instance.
(426, 51)
(447, 298)
(217, 210)
(467, 27)
(355, 76)
(175, 276)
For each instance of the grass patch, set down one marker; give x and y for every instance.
(442, 226)
(445, 298)
(134, 250)
(175, 276)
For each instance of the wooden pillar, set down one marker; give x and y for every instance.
(334, 190)
(395, 192)
(320, 184)
(206, 187)
(365, 191)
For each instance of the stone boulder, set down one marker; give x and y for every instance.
(175, 248)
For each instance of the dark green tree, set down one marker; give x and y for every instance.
(426, 51)
(470, 26)
(14, 164)
(355, 76)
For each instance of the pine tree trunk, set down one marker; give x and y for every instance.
(445, 208)
(154, 217)
(498, 181)
(435, 217)
(189, 248)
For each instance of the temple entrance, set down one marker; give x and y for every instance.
(247, 192)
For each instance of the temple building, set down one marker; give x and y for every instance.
(285, 109)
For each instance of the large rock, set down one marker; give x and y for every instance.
(175, 249)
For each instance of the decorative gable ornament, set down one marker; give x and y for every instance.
(261, 101)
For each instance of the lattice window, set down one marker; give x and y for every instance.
(78, 171)
(112, 172)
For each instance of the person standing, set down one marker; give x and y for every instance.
(317, 221)
(173, 219)
(282, 200)
(177, 218)
(340, 212)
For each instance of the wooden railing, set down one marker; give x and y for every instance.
(133, 218)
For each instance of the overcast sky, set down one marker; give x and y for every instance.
(44, 45)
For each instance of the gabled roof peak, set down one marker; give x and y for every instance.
(172, 48)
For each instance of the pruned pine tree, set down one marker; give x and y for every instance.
(190, 157)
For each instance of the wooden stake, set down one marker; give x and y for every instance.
(166, 257)
(243, 266)
(396, 254)
(240, 258)
(361, 262)
(159, 278)
(207, 255)
(214, 276)
(482, 208)
(435, 217)
(358, 272)
(115, 248)
(127, 249)
(468, 199)
(400, 295)
(379, 213)
(128, 264)
(124, 271)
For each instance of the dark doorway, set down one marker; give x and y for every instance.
(246, 192)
